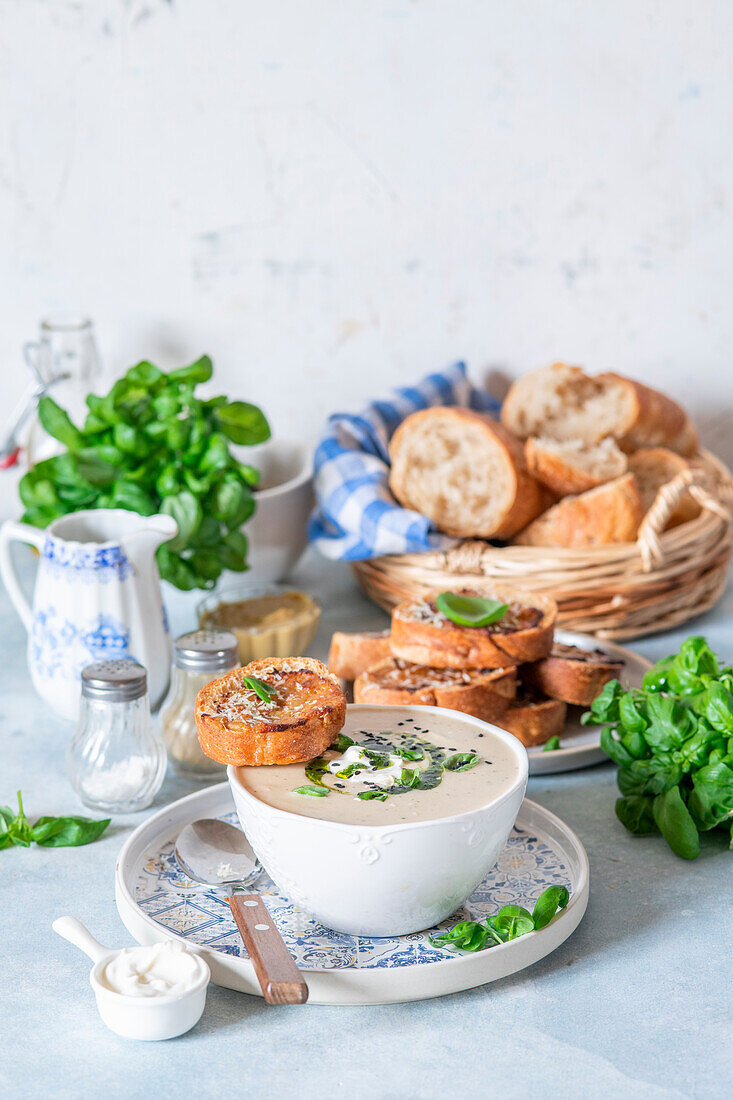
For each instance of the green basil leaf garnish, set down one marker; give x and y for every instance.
(470, 610)
(260, 688)
(312, 790)
(370, 796)
(551, 744)
(461, 761)
(410, 754)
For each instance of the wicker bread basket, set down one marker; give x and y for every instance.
(620, 591)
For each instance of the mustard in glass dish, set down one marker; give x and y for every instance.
(268, 622)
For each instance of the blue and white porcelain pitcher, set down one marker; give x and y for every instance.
(97, 595)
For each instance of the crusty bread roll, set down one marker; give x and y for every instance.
(564, 403)
(352, 654)
(464, 471)
(424, 636)
(301, 720)
(533, 718)
(572, 674)
(484, 693)
(655, 466)
(611, 513)
(650, 418)
(573, 466)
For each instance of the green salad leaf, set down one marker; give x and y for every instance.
(151, 445)
(673, 743)
(470, 610)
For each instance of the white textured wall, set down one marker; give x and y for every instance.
(332, 195)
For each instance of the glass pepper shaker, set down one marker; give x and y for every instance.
(116, 759)
(198, 658)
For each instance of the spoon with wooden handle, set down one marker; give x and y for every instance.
(280, 980)
(217, 854)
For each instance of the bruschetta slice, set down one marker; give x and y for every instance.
(276, 710)
(572, 674)
(352, 654)
(533, 718)
(484, 693)
(423, 635)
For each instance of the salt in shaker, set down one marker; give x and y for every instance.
(116, 759)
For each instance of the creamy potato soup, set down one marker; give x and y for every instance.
(398, 770)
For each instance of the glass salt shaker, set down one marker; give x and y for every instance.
(198, 658)
(116, 759)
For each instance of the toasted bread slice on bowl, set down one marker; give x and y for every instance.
(423, 635)
(304, 713)
(484, 693)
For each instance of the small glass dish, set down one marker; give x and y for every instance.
(276, 620)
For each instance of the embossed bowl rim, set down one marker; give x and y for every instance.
(509, 739)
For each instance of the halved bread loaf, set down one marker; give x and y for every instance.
(464, 471)
(484, 693)
(352, 654)
(565, 403)
(424, 636)
(611, 513)
(534, 718)
(572, 674)
(654, 467)
(306, 711)
(573, 466)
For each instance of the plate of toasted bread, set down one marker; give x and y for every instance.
(517, 672)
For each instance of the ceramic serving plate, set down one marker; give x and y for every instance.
(581, 745)
(156, 900)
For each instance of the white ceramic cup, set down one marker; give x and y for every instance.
(278, 530)
(384, 880)
(146, 1018)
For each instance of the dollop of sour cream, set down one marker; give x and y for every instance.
(382, 777)
(162, 970)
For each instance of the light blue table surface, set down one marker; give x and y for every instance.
(637, 1003)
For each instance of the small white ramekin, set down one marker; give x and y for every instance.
(146, 1018)
(383, 880)
(149, 1018)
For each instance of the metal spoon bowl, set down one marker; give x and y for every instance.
(216, 853)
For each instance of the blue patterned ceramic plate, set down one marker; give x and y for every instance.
(155, 899)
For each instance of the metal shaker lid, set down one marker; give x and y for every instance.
(206, 651)
(117, 681)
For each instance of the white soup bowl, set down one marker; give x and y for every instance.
(391, 879)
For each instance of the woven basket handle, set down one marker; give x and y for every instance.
(709, 492)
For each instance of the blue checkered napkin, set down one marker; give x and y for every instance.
(356, 517)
